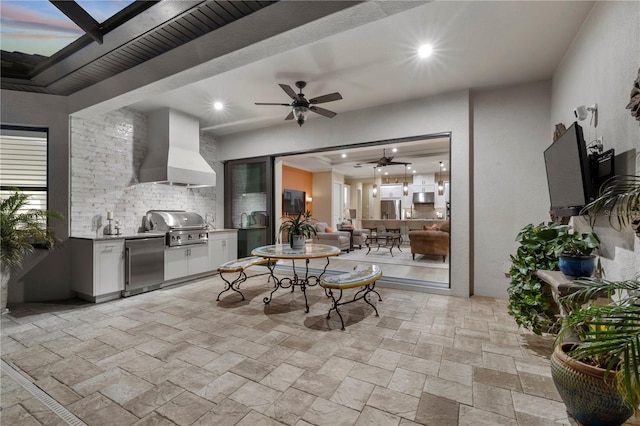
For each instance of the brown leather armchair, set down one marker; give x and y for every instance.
(430, 242)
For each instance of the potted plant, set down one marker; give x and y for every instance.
(529, 304)
(619, 199)
(298, 230)
(21, 231)
(598, 377)
(575, 252)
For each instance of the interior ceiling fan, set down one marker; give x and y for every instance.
(301, 106)
(386, 161)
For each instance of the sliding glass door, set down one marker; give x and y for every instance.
(249, 202)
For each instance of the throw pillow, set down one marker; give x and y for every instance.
(327, 229)
(433, 227)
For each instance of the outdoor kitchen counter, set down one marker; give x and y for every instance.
(129, 236)
(135, 235)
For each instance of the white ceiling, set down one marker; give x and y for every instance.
(477, 44)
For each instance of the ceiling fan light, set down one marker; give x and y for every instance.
(300, 114)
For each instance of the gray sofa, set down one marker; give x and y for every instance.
(340, 239)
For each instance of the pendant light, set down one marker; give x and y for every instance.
(440, 182)
(405, 185)
(375, 187)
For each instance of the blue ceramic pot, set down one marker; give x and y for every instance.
(588, 396)
(577, 266)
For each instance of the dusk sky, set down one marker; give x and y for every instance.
(38, 27)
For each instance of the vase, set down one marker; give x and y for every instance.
(5, 275)
(297, 241)
(577, 266)
(588, 396)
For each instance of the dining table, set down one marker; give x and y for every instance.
(309, 251)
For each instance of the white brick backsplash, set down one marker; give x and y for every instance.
(106, 154)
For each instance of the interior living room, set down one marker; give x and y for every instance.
(265, 97)
(412, 194)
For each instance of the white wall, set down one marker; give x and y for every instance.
(511, 130)
(599, 68)
(106, 153)
(444, 113)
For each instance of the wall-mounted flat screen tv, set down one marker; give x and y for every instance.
(293, 201)
(568, 173)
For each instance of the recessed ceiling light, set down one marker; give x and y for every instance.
(395, 150)
(218, 105)
(379, 169)
(425, 50)
(414, 170)
(409, 167)
(444, 169)
(344, 155)
(386, 173)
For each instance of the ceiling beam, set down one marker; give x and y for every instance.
(80, 17)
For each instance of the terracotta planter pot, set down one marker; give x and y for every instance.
(591, 399)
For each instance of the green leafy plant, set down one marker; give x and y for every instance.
(609, 335)
(540, 246)
(22, 231)
(619, 199)
(575, 243)
(297, 225)
(529, 305)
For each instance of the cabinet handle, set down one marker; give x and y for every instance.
(127, 251)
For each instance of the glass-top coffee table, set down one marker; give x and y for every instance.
(383, 239)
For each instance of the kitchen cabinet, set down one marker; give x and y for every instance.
(181, 262)
(390, 191)
(223, 247)
(97, 268)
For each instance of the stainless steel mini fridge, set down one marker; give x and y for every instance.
(143, 264)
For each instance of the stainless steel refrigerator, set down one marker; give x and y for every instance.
(390, 209)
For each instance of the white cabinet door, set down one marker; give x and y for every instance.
(223, 247)
(217, 245)
(390, 191)
(198, 259)
(175, 263)
(230, 249)
(108, 267)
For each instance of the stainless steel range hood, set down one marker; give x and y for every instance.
(173, 155)
(424, 197)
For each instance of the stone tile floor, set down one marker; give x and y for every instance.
(176, 356)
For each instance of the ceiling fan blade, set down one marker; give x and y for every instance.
(290, 116)
(322, 111)
(289, 91)
(392, 163)
(326, 98)
(270, 103)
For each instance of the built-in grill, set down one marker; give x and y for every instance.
(182, 227)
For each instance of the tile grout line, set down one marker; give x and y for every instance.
(49, 402)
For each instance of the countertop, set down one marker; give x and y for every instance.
(135, 235)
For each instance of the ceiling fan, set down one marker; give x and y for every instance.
(301, 106)
(386, 161)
